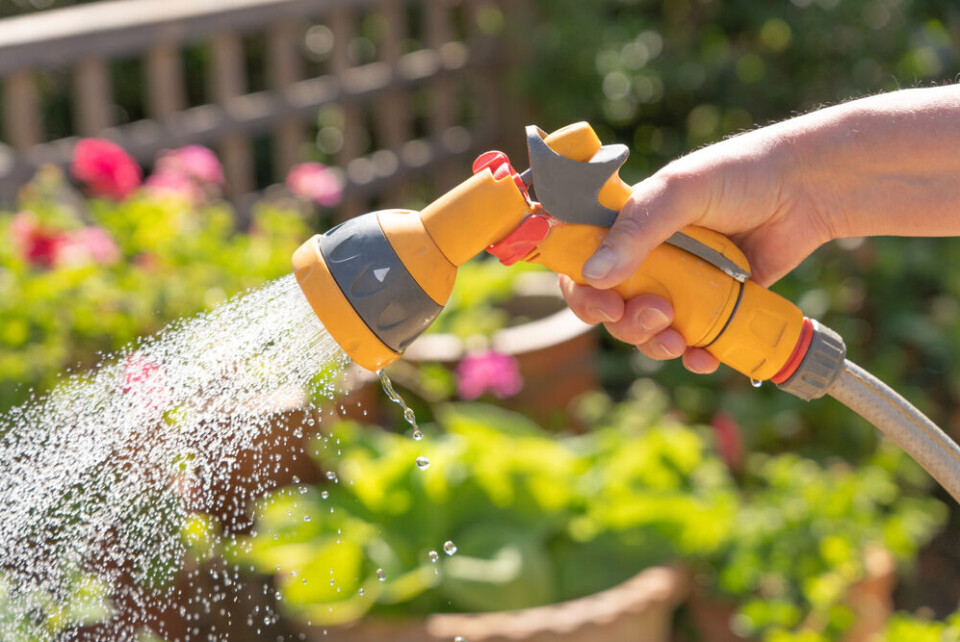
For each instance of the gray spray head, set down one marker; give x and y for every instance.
(376, 283)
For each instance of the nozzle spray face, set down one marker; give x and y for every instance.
(363, 292)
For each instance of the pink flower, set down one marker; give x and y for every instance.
(105, 168)
(729, 440)
(87, 245)
(316, 182)
(57, 248)
(489, 371)
(193, 161)
(35, 244)
(175, 184)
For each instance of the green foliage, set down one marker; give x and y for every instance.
(665, 77)
(536, 519)
(175, 260)
(36, 614)
(802, 534)
(903, 627)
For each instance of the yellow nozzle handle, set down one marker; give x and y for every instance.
(746, 326)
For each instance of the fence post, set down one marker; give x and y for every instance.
(284, 69)
(165, 88)
(92, 88)
(443, 114)
(342, 25)
(229, 82)
(393, 107)
(21, 111)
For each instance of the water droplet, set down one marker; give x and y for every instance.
(395, 397)
(307, 518)
(423, 463)
(434, 556)
(756, 383)
(360, 592)
(332, 476)
(324, 494)
(381, 575)
(449, 547)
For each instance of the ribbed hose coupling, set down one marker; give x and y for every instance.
(820, 367)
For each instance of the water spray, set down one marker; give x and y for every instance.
(379, 280)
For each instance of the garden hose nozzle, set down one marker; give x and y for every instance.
(377, 281)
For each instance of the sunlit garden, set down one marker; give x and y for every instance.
(535, 478)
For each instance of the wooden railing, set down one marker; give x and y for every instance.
(410, 84)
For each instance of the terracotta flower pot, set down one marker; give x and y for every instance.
(638, 610)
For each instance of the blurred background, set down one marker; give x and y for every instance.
(307, 113)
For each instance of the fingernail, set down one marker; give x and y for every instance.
(599, 313)
(652, 319)
(600, 264)
(668, 352)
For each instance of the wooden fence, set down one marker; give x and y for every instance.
(401, 86)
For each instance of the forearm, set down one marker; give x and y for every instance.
(883, 165)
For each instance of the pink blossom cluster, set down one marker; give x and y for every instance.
(315, 182)
(48, 248)
(191, 172)
(491, 371)
(105, 169)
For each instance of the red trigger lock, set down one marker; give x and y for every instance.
(521, 241)
(499, 165)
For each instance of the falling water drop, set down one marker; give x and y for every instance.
(360, 592)
(423, 463)
(434, 556)
(395, 397)
(756, 383)
(449, 547)
(381, 575)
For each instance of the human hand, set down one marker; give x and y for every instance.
(744, 187)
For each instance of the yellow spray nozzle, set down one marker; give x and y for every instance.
(379, 280)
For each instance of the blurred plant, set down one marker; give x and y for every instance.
(539, 519)
(802, 537)
(79, 279)
(38, 616)
(105, 169)
(315, 182)
(533, 519)
(909, 627)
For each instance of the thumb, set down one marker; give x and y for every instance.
(650, 216)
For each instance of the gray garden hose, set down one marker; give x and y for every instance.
(825, 370)
(896, 417)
